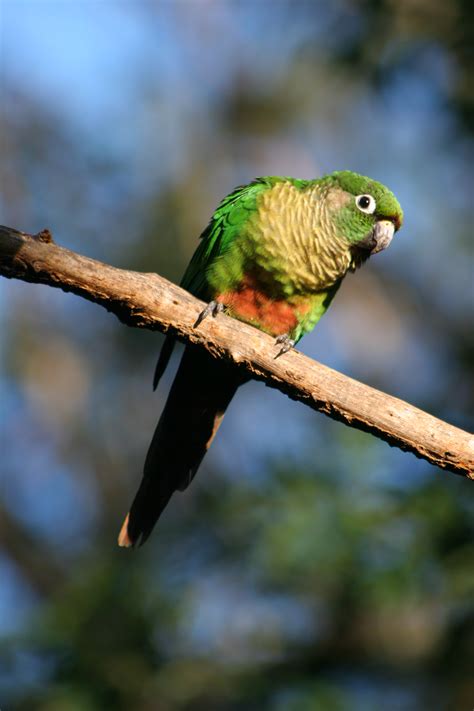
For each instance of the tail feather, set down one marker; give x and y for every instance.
(202, 390)
(163, 359)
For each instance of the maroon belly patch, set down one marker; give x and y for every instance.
(251, 304)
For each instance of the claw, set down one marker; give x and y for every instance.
(212, 309)
(286, 342)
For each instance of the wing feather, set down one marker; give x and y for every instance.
(224, 226)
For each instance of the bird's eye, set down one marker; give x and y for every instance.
(366, 203)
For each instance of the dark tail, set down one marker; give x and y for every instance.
(201, 391)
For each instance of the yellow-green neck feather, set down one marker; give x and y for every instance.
(295, 239)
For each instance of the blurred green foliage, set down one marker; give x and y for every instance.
(309, 566)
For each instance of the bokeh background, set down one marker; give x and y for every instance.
(309, 566)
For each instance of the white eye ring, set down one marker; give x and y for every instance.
(366, 203)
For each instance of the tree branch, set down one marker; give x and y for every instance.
(149, 301)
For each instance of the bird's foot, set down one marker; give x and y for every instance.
(286, 343)
(212, 309)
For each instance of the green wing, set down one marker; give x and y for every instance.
(225, 225)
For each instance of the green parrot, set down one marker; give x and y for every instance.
(273, 255)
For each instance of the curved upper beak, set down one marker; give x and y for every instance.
(382, 235)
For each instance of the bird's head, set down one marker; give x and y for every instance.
(369, 214)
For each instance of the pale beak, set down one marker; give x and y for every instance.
(375, 241)
(382, 235)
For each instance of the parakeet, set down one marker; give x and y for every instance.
(273, 255)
